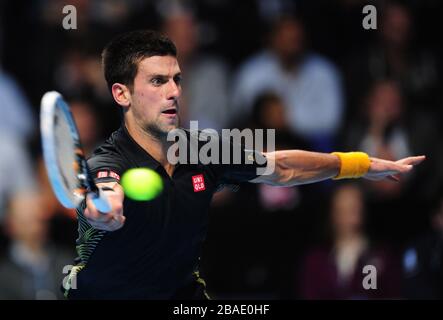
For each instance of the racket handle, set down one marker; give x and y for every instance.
(101, 202)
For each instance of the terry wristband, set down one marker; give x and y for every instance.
(352, 164)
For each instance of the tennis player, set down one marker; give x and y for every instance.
(151, 249)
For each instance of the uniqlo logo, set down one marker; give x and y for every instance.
(198, 182)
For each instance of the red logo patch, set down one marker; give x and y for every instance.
(105, 174)
(114, 175)
(102, 174)
(198, 182)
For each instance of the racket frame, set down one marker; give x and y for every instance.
(49, 104)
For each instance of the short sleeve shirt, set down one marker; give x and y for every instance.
(158, 248)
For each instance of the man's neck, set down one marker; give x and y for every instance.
(157, 147)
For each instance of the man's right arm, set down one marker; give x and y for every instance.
(295, 167)
(110, 221)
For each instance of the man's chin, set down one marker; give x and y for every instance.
(171, 127)
(163, 130)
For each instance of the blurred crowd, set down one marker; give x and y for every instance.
(305, 68)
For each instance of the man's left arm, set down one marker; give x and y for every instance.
(295, 167)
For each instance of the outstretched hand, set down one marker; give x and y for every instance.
(381, 169)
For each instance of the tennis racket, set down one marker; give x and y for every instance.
(63, 154)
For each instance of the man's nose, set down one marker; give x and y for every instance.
(174, 90)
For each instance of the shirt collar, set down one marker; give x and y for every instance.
(134, 150)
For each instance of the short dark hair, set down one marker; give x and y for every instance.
(121, 56)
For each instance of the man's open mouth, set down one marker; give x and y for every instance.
(170, 111)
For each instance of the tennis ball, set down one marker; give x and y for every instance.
(141, 184)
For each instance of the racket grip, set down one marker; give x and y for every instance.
(101, 202)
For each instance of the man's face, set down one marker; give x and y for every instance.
(155, 94)
(288, 41)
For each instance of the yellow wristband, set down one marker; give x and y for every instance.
(352, 164)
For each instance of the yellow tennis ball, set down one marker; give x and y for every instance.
(141, 184)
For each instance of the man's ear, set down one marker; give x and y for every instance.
(121, 94)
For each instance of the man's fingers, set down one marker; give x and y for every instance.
(412, 160)
(408, 163)
(381, 168)
(117, 192)
(402, 166)
(115, 222)
(92, 213)
(392, 168)
(119, 221)
(110, 221)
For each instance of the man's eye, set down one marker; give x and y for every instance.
(178, 80)
(157, 81)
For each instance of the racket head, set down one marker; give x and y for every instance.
(63, 155)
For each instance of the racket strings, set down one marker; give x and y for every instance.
(68, 163)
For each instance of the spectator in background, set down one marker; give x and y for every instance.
(386, 129)
(16, 128)
(17, 118)
(31, 269)
(205, 77)
(78, 76)
(269, 112)
(396, 55)
(336, 271)
(423, 260)
(79, 72)
(382, 132)
(262, 209)
(87, 122)
(385, 132)
(309, 85)
(16, 172)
